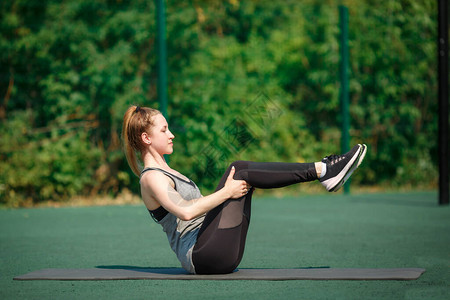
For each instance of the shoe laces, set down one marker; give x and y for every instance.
(334, 158)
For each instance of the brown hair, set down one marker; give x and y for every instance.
(136, 121)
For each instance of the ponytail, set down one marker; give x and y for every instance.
(136, 121)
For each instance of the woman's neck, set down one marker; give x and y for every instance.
(154, 160)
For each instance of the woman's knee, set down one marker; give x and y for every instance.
(239, 165)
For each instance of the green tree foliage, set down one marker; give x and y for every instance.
(247, 80)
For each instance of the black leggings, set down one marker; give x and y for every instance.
(221, 239)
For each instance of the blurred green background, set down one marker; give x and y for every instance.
(252, 80)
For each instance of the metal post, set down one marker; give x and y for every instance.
(162, 56)
(345, 140)
(443, 101)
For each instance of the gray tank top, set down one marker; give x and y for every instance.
(182, 235)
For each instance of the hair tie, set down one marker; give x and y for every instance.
(137, 109)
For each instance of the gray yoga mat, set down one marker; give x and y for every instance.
(240, 274)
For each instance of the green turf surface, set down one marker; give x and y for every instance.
(358, 231)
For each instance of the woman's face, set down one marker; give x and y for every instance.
(160, 135)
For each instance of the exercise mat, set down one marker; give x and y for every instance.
(240, 274)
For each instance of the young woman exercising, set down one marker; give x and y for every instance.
(208, 233)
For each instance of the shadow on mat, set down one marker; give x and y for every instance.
(124, 267)
(174, 270)
(158, 270)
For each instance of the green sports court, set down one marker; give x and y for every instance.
(397, 230)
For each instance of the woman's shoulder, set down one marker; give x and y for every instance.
(153, 178)
(153, 183)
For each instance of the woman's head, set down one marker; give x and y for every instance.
(136, 121)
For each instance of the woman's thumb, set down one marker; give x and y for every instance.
(230, 176)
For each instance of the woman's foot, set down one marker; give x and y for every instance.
(361, 156)
(340, 167)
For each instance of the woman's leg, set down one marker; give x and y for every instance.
(221, 240)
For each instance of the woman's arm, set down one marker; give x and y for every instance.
(157, 186)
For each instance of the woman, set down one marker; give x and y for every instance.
(208, 233)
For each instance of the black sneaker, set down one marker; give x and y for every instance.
(361, 156)
(338, 166)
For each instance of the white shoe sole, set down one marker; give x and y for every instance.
(354, 167)
(330, 184)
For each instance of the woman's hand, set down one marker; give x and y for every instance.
(157, 190)
(236, 188)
